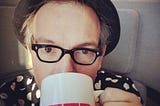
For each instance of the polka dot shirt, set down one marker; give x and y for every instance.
(23, 91)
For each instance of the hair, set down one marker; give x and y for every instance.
(26, 29)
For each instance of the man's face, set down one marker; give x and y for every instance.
(67, 25)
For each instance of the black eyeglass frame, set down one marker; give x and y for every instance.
(36, 47)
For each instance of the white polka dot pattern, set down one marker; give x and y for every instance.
(38, 94)
(33, 86)
(29, 96)
(133, 85)
(3, 96)
(112, 80)
(19, 78)
(29, 80)
(126, 86)
(13, 86)
(98, 85)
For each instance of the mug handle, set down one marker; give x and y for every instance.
(97, 93)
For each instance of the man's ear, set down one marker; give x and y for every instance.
(104, 47)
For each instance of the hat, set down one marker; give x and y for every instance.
(107, 10)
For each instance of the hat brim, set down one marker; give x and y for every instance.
(109, 11)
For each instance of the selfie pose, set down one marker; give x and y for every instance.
(68, 36)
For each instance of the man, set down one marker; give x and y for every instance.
(71, 36)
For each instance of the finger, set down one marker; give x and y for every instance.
(121, 104)
(118, 95)
(97, 104)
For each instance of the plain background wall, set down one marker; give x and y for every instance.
(146, 66)
(12, 54)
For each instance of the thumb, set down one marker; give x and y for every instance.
(117, 95)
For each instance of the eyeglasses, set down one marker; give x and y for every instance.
(52, 54)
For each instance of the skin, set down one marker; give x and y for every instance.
(69, 26)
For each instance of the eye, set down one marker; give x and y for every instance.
(85, 51)
(48, 49)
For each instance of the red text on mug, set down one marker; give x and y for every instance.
(72, 104)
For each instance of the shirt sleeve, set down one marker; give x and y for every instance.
(105, 79)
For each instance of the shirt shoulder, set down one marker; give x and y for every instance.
(20, 90)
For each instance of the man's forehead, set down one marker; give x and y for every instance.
(67, 22)
(71, 12)
(54, 6)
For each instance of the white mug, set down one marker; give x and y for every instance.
(68, 89)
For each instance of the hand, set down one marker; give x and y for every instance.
(118, 97)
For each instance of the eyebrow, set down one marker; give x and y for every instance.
(43, 40)
(87, 44)
(83, 44)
